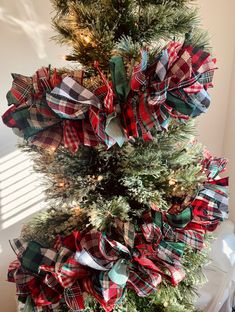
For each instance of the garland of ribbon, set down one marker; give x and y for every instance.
(50, 109)
(138, 259)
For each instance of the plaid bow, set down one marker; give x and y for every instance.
(117, 267)
(174, 86)
(90, 261)
(177, 88)
(29, 112)
(213, 166)
(27, 89)
(210, 206)
(44, 291)
(40, 104)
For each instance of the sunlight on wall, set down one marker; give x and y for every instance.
(28, 23)
(21, 195)
(229, 248)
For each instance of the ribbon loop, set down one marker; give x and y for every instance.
(71, 100)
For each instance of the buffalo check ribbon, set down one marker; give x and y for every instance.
(70, 100)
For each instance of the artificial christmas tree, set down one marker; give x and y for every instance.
(133, 196)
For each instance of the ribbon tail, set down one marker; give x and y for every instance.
(74, 298)
(114, 129)
(138, 78)
(29, 306)
(86, 259)
(119, 273)
(119, 79)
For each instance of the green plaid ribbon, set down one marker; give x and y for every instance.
(119, 79)
(180, 220)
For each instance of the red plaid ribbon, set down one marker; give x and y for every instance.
(138, 78)
(71, 138)
(49, 139)
(44, 291)
(74, 298)
(182, 71)
(89, 261)
(174, 86)
(109, 98)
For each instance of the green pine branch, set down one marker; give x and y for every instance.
(93, 29)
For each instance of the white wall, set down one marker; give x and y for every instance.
(229, 141)
(217, 128)
(25, 46)
(25, 33)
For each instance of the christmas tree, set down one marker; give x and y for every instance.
(132, 195)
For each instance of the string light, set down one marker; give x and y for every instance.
(51, 150)
(85, 38)
(172, 181)
(61, 184)
(100, 178)
(77, 209)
